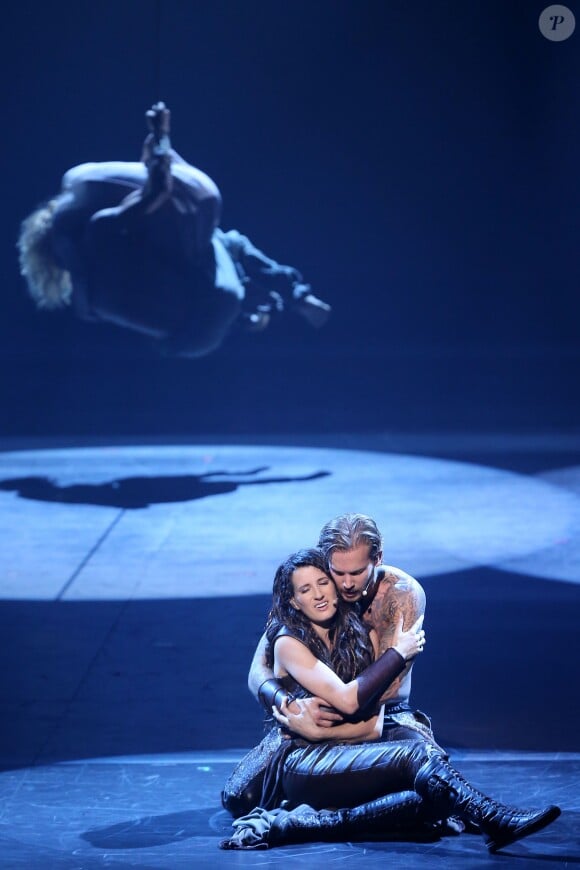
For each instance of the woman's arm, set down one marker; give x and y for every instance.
(293, 657)
(269, 692)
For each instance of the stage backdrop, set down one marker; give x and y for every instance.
(418, 162)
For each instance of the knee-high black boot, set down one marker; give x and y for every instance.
(394, 814)
(438, 782)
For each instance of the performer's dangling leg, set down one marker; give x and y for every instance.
(271, 284)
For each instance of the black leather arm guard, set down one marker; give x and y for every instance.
(271, 694)
(373, 681)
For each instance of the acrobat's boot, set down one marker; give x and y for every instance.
(392, 815)
(438, 782)
(315, 311)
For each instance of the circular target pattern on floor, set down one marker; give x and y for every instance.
(207, 521)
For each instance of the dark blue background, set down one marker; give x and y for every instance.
(418, 162)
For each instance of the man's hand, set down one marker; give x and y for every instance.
(322, 714)
(308, 717)
(301, 722)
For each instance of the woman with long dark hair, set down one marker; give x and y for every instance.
(319, 647)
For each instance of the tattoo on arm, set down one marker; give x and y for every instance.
(405, 596)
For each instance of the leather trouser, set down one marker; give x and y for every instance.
(326, 775)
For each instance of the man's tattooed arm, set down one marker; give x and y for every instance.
(400, 594)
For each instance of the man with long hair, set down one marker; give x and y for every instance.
(381, 594)
(318, 646)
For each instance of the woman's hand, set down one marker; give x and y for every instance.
(409, 643)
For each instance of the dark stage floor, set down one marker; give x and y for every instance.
(164, 812)
(135, 583)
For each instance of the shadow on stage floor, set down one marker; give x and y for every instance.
(123, 699)
(163, 812)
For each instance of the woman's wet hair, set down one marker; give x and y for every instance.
(352, 650)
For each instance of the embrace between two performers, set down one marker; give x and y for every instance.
(348, 757)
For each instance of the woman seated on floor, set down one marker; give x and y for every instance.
(318, 646)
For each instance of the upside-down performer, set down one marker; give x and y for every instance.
(138, 245)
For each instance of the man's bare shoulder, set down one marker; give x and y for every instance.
(399, 581)
(397, 593)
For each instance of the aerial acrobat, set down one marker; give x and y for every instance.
(139, 245)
